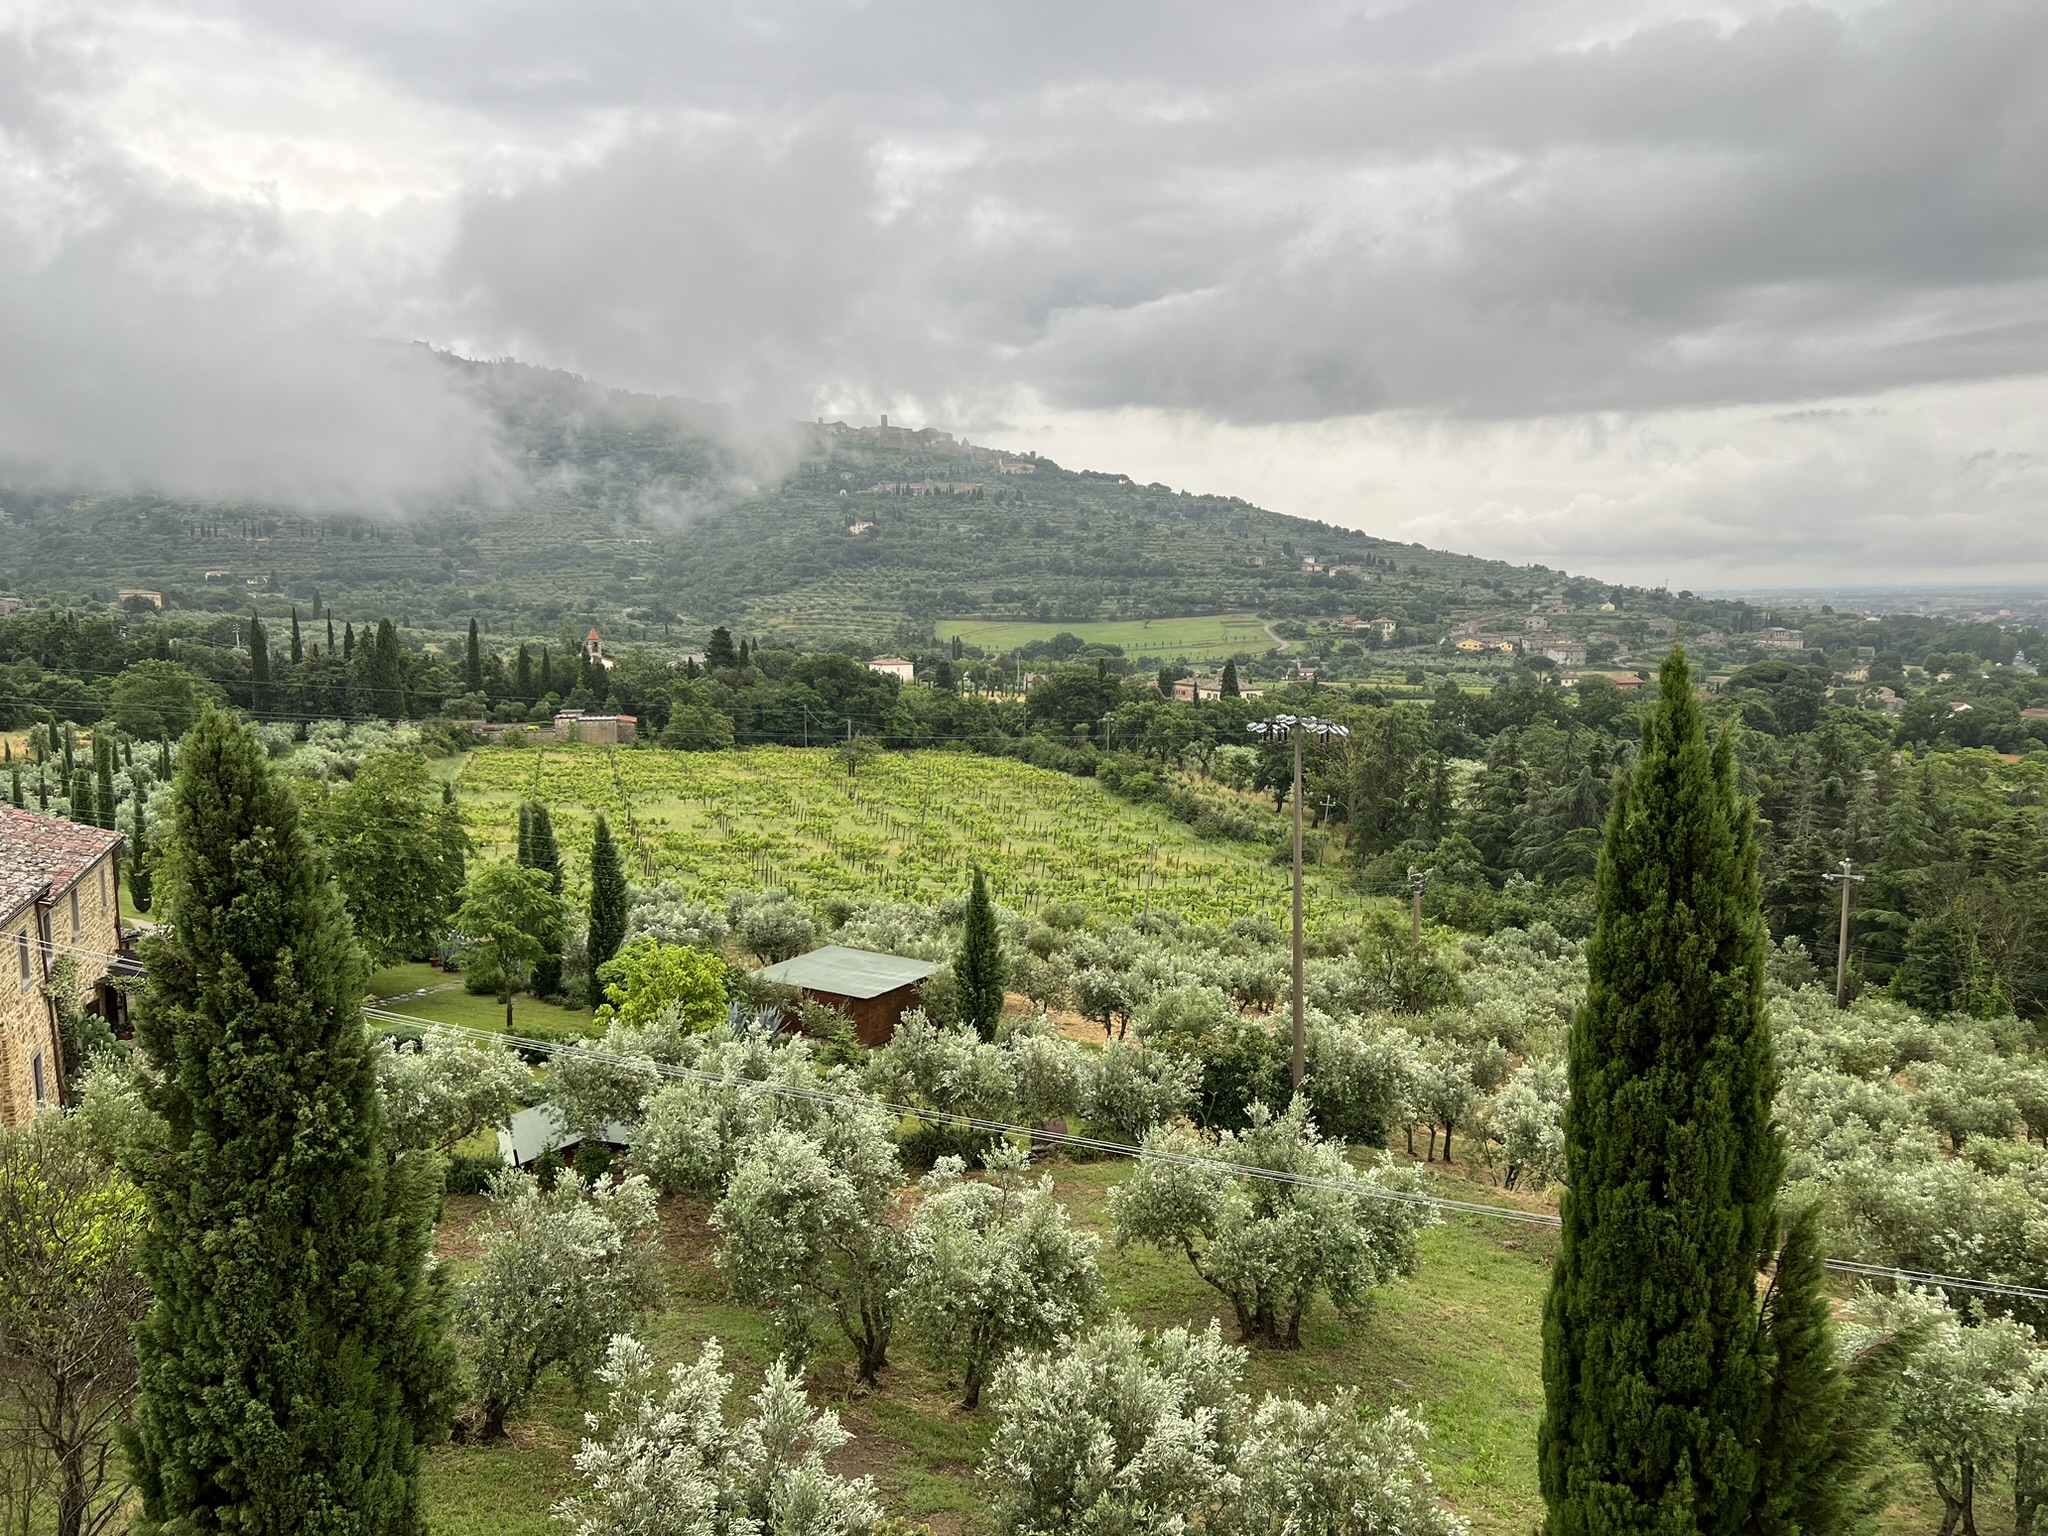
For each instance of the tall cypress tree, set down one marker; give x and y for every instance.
(298, 645)
(1227, 686)
(523, 675)
(538, 850)
(387, 673)
(978, 968)
(103, 770)
(294, 1362)
(259, 665)
(1653, 1371)
(608, 903)
(84, 803)
(138, 854)
(348, 640)
(473, 662)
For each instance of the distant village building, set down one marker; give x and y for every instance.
(874, 990)
(1566, 653)
(597, 730)
(155, 599)
(894, 666)
(12, 605)
(1199, 690)
(593, 650)
(1777, 635)
(59, 897)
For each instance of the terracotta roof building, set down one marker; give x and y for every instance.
(59, 898)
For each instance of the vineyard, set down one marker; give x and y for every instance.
(906, 825)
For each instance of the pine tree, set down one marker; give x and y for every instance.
(138, 854)
(298, 645)
(608, 902)
(1654, 1386)
(473, 663)
(538, 850)
(978, 968)
(294, 1363)
(1227, 688)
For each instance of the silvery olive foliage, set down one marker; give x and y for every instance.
(811, 1233)
(1131, 1088)
(662, 1458)
(560, 1271)
(1126, 1432)
(991, 1265)
(666, 912)
(438, 1092)
(1271, 1247)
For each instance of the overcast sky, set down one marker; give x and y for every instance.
(1743, 293)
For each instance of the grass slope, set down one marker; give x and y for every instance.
(909, 825)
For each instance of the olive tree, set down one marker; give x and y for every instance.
(993, 1265)
(561, 1270)
(696, 1130)
(662, 1457)
(70, 1292)
(809, 1228)
(1133, 1088)
(1125, 1432)
(437, 1092)
(1268, 1245)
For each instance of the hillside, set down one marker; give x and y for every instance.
(659, 519)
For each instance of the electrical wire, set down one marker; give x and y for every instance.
(1099, 1145)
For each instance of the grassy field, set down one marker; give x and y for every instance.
(423, 992)
(908, 826)
(1207, 637)
(1459, 1341)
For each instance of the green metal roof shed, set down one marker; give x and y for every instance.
(874, 990)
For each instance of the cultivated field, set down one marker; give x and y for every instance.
(1207, 637)
(909, 825)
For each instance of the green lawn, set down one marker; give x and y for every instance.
(1206, 637)
(426, 993)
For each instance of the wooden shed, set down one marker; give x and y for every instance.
(874, 990)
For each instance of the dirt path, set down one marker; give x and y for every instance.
(1278, 643)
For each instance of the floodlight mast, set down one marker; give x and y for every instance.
(1295, 727)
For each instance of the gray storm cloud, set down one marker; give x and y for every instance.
(1501, 218)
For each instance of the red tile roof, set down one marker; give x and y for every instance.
(38, 851)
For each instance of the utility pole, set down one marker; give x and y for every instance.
(1417, 879)
(1847, 877)
(1294, 727)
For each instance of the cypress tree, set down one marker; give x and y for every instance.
(42, 791)
(103, 767)
(298, 645)
(259, 665)
(538, 850)
(1227, 688)
(1824, 1440)
(330, 634)
(20, 801)
(1653, 1374)
(293, 1364)
(473, 663)
(138, 855)
(547, 674)
(523, 675)
(84, 807)
(387, 675)
(348, 640)
(978, 968)
(608, 902)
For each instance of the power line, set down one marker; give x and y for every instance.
(1100, 1145)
